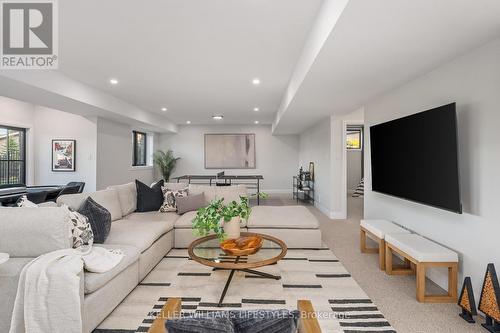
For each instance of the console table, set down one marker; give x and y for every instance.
(252, 180)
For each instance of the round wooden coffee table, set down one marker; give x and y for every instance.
(207, 252)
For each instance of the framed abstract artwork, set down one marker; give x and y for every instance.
(230, 151)
(63, 155)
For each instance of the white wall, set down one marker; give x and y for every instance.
(473, 82)
(315, 144)
(53, 124)
(276, 156)
(114, 155)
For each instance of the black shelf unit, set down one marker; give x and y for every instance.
(303, 190)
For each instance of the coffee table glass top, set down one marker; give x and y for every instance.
(206, 250)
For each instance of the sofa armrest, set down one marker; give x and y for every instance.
(307, 320)
(172, 309)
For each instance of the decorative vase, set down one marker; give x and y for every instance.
(232, 228)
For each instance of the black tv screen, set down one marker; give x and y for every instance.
(416, 158)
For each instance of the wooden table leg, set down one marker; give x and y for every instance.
(453, 281)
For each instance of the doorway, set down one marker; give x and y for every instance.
(354, 146)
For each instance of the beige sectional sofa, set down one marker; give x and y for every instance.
(145, 238)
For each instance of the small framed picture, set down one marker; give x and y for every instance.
(63, 155)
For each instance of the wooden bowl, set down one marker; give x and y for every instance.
(242, 246)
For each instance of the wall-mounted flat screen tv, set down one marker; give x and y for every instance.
(416, 158)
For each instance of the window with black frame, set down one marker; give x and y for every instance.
(12, 156)
(140, 148)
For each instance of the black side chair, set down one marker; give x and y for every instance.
(81, 186)
(37, 197)
(69, 190)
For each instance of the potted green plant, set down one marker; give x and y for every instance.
(223, 220)
(165, 162)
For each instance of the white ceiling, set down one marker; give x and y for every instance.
(378, 45)
(195, 57)
(198, 57)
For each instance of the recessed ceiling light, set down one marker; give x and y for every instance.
(164, 109)
(256, 122)
(188, 122)
(256, 81)
(218, 117)
(256, 109)
(113, 81)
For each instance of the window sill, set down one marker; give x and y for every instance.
(142, 167)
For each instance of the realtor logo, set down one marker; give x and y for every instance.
(29, 34)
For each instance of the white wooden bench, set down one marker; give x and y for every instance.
(376, 230)
(423, 254)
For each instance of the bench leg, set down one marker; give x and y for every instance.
(451, 296)
(381, 255)
(452, 282)
(421, 282)
(362, 240)
(362, 243)
(388, 259)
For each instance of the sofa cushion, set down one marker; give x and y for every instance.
(210, 192)
(9, 279)
(184, 221)
(283, 217)
(152, 216)
(99, 219)
(30, 232)
(231, 193)
(127, 194)
(175, 186)
(149, 198)
(94, 281)
(140, 234)
(107, 198)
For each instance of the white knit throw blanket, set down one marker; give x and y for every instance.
(48, 294)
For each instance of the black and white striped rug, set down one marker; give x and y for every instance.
(315, 275)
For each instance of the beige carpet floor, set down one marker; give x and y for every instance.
(394, 295)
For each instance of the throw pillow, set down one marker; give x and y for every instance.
(261, 321)
(25, 203)
(80, 229)
(190, 203)
(170, 197)
(99, 219)
(149, 198)
(200, 324)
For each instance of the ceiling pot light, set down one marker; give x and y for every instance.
(188, 122)
(164, 109)
(256, 109)
(113, 81)
(217, 117)
(256, 81)
(256, 122)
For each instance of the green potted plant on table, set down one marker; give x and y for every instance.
(223, 220)
(165, 162)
